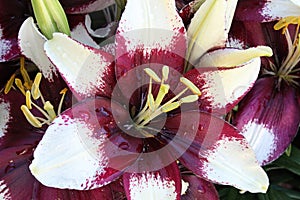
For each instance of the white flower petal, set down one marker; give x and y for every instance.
(31, 42)
(209, 27)
(276, 9)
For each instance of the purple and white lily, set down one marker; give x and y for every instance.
(267, 116)
(87, 147)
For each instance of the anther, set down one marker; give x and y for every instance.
(190, 85)
(19, 84)
(152, 74)
(50, 110)
(30, 118)
(35, 86)
(9, 84)
(63, 92)
(189, 99)
(169, 107)
(27, 81)
(165, 73)
(163, 90)
(28, 100)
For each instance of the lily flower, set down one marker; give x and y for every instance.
(268, 115)
(13, 14)
(119, 133)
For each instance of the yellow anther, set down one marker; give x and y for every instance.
(19, 84)
(50, 109)
(189, 99)
(152, 74)
(163, 90)
(165, 73)
(30, 118)
(63, 91)
(9, 84)
(35, 86)
(28, 100)
(151, 102)
(169, 107)
(190, 85)
(27, 81)
(285, 22)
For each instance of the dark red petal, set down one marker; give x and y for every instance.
(161, 184)
(269, 118)
(12, 15)
(198, 189)
(250, 10)
(16, 181)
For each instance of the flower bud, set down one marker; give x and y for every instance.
(50, 17)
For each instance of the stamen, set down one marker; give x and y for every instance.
(35, 86)
(169, 107)
(27, 81)
(163, 90)
(9, 84)
(285, 22)
(19, 84)
(151, 102)
(165, 73)
(190, 85)
(189, 99)
(28, 100)
(152, 74)
(30, 118)
(63, 92)
(50, 110)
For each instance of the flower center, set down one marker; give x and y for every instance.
(155, 106)
(288, 68)
(30, 89)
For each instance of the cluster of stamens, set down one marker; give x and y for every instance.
(153, 107)
(288, 68)
(30, 89)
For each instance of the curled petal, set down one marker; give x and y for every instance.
(268, 118)
(221, 89)
(84, 141)
(214, 16)
(162, 184)
(87, 71)
(233, 57)
(150, 34)
(83, 6)
(217, 152)
(31, 43)
(266, 10)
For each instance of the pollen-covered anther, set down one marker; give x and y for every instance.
(190, 85)
(30, 117)
(25, 75)
(35, 86)
(50, 110)
(20, 86)
(28, 100)
(9, 84)
(285, 22)
(152, 74)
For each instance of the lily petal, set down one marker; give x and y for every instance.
(269, 119)
(87, 71)
(233, 57)
(83, 6)
(198, 188)
(217, 152)
(214, 16)
(107, 31)
(162, 184)
(266, 10)
(221, 89)
(85, 141)
(142, 38)
(16, 182)
(31, 42)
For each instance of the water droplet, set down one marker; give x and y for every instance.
(201, 127)
(124, 146)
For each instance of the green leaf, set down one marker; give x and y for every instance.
(292, 162)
